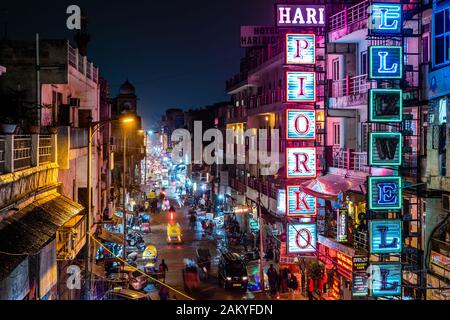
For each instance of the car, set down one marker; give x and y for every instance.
(125, 294)
(232, 272)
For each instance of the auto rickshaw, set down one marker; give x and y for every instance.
(191, 277)
(174, 235)
(150, 257)
(204, 262)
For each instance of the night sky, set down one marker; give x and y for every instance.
(177, 53)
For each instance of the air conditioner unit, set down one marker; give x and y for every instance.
(446, 202)
(74, 102)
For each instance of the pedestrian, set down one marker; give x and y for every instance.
(285, 279)
(293, 282)
(192, 220)
(272, 277)
(163, 292)
(245, 241)
(162, 269)
(310, 289)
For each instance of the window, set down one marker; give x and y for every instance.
(441, 29)
(426, 49)
(336, 75)
(336, 133)
(363, 63)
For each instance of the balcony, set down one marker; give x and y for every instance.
(350, 91)
(348, 21)
(348, 159)
(265, 102)
(71, 237)
(239, 80)
(82, 65)
(440, 257)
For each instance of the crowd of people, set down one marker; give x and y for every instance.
(282, 281)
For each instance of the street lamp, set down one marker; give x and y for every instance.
(93, 128)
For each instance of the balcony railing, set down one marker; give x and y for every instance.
(349, 16)
(78, 138)
(349, 160)
(269, 97)
(81, 64)
(19, 152)
(351, 86)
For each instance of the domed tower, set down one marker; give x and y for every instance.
(127, 100)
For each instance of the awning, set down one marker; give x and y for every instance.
(329, 186)
(30, 229)
(105, 235)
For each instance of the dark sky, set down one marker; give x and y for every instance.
(177, 53)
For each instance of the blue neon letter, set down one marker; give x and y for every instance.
(383, 68)
(387, 193)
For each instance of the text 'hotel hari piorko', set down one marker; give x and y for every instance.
(358, 92)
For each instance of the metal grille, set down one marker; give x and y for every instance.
(45, 149)
(2, 154)
(22, 152)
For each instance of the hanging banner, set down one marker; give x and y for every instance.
(300, 204)
(300, 86)
(301, 162)
(300, 48)
(385, 62)
(385, 236)
(385, 105)
(302, 238)
(385, 148)
(385, 193)
(300, 15)
(385, 19)
(301, 124)
(386, 279)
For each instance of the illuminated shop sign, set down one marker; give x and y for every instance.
(360, 263)
(385, 105)
(385, 193)
(385, 148)
(300, 48)
(257, 36)
(300, 86)
(301, 162)
(385, 62)
(302, 238)
(342, 225)
(385, 236)
(296, 15)
(385, 18)
(344, 265)
(300, 203)
(360, 286)
(301, 124)
(386, 279)
(281, 202)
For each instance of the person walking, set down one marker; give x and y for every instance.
(162, 269)
(293, 284)
(245, 241)
(163, 292)
(272, 277)
(310, 289)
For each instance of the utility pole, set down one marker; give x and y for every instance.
(124, 181)
(88, 213)
(261, 267)
(38, 83)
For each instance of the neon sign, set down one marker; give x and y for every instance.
(342, 225)
(301, 162)
(385, 18)
(386, 279)
(300, 86)
(300, 48)
(301, 124)
(385, 105)
(300, 15)
(385, 149)
(385, 62)
(299, 203)
(302, 238)
(385, 236)
(385, 193)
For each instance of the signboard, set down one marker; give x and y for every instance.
(300, 48)
(342, 225)
(385, 148)
(385, 62)
(385, 105)
(385, 19)
(301, 162)
(301, 124)
(302, 238)
(385, 193)
(344, 264)
(300, 15)
(300, 86)
(254, 225)
(299, 203)
(385, 236)
(360, 287)
(360, 263)
(281, 202)
(256, 36)
(386, 279)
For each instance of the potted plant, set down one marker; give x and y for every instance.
(52, 129)
(8, 125)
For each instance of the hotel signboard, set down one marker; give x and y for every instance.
(300, 15)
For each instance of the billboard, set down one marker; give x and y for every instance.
(385, 148)
(300, 48)
(385, 19)
(300, 86)
(302, 238)
(257, 36)
(385, 236)
(385, 193)
(360, 286)
(301, 162)
(299, 203)
(300, 15)
(386, 279)
(385, 62)
(385, 105)
(300, 124)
